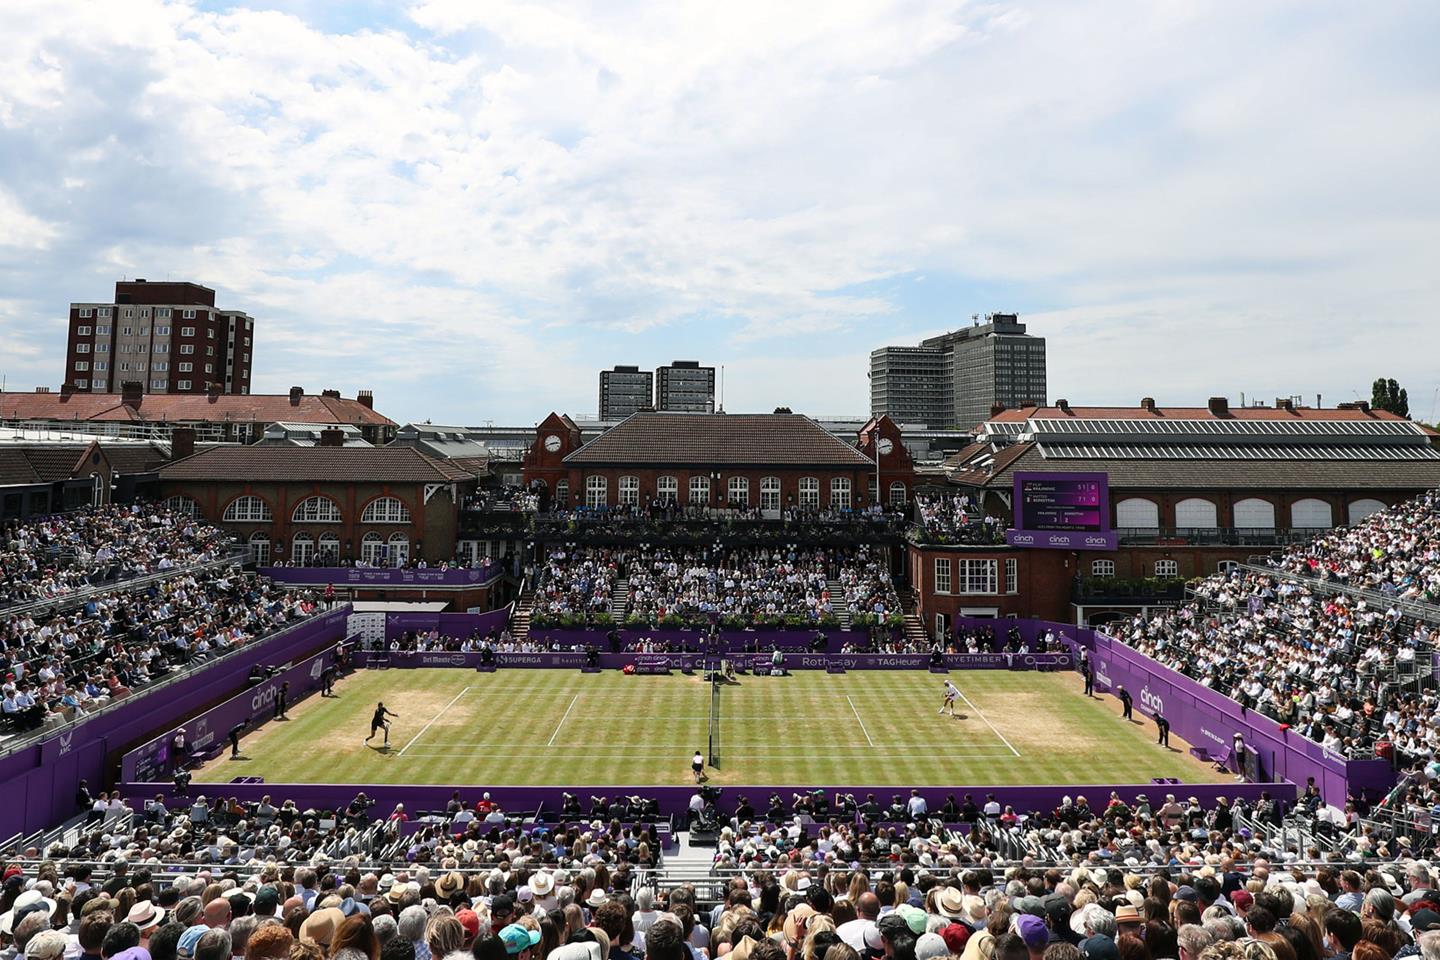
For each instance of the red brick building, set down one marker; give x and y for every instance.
(771, 461)
(324, 504)
(1192, 490)
(167, 337)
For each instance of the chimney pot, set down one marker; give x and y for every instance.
(182, 442)
(295, 394)
(1147, 403)
(132, 393)
(366, 399)
(1062, 404)
(332, 437)
(333, 394)
(1219, 406)
(67, 390)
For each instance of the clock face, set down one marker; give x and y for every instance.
(885, 446)
(552, 443)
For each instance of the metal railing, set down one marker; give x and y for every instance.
(1216, 536)
(1425, 612)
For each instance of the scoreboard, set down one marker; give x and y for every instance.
(1062, 511)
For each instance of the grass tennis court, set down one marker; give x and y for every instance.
(564, 728)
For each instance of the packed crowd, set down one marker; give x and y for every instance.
(1204, 903)
(60, 666)
(575, 581)
(1323, 662)
(955, 518)
(55, 557)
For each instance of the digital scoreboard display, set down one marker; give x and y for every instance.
(1064, 511)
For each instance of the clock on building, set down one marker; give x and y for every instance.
(552, 443)
(885, 446)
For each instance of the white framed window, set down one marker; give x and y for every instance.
(103, 312)
(182, 505)
(629, 491)
(102, 348)
(82, 384)
(809, 493)
(162, 313)
(1311, 514)
(1102, 568)
(942, 575)
(157, 384)
(103, 330)
(82, 348)
(209, 368)
(1167, 569)
(187, 349)
(160, 366)
(737, 491)
(597, 491)
(86, 311)
(188, 315)
(1252, 513)
(1227, 566)
(248, 509)
(182, 385)
(1138, 513)
(82, 365)
(399, 547)
(302, 548)
(700, 491)
(184, 366)
(839, 493)
(1196, 513)
(162, 348)
(667, 488)
(372, 549)
(976, 577)
(82, 331)
(327, 550)
(260, 548)
(562, 493)
(898, 495)
(1012, 575)
(209, 351)
(386, 510)
(769, 493)
(140, 348)
(101, 365)
(162, 330)
(210, 333)
(127, 331)
(316, 510)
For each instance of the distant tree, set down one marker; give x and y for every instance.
(1390, 396)
(783, 410)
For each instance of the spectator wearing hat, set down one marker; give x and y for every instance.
(519, 941)
(1033, 933)
(147, 917)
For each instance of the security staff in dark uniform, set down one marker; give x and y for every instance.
(234, 737)
(281, 696)
(1162, 726)
(1087, 673)
(1127, 703)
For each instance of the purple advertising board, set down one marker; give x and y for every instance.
(384, 576)
(691, 661)
(730, 640)
(1062, 511)
(459, 625)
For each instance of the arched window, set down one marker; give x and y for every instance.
(181, 505)
(1167, 569)
(386, 510)
(699, 491)
(302, 549)
(1195, 513)
(629, 491)
(399, 549)
(260, 548)
(328, 552)
(1137, 512)
(809, 493)
(840, 493)
(316, 510)
(667, 488)
(372, 549)
(1252, 513)
(562, 493)
(898, 494)
(769, 493)
(1311, 514)
(1102, 568)
(737, 491)
(597, 491)
(1360, 509)
(248, 510)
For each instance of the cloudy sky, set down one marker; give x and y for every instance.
(471, 206)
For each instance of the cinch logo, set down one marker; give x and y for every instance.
(1152, 700)
(1022, 538)
(264, 697)
(1096, 542)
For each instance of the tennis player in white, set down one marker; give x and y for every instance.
(952, 693)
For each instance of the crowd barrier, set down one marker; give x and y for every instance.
(383, 576)
(571, 660)
(1207, 719)
(39, 781)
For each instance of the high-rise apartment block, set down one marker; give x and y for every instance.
(625, 390)
(685, 386)
(167, 337)
(954, 379)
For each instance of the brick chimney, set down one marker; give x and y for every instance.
(366, 399)
(332, 394)
(1062, 405)
(1219, 406)
(67, 390)
(997, 408)
(1147, 403)
(1284, 403)
(212, 391)
(182, 442)
(295, 394)
(331, 437)
(132, 393)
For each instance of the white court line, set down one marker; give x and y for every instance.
(432, 721)
(988, 723)
(857, 717)
(671, 756)
(562, 720)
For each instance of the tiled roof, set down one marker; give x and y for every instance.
(49, 462)
(1213, 474)
(286, 464)
(235, 408)
(1188, 413)
(719, 439)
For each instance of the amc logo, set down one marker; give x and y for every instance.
(1152, 701)
(317, 668)
(67, 740)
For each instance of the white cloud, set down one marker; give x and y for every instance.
(514, 191)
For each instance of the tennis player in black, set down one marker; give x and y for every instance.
(378, 723)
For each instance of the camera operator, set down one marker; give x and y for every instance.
(569, 807)
(743, 810)
(359, 807)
